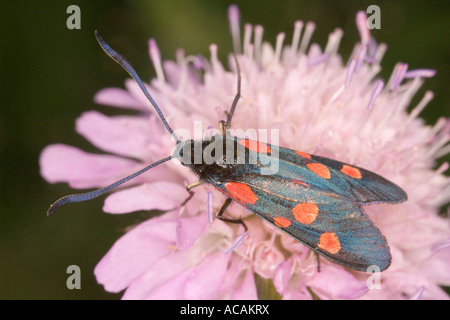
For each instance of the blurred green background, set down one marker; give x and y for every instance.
(49, 75)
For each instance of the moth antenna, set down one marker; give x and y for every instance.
(127, 66)
(238, 93)
(80, 197)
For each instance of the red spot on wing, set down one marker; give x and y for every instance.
(305, 213)
(351, 171)
(282, 222)
(329, 242)
(319, 169)
(241, 192)
(303, 154)
(255, 146)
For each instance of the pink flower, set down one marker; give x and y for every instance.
(320, 105)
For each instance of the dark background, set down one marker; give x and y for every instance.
(49, 75)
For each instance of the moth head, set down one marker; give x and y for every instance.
(185, 152)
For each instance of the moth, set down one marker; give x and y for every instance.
(316, 200)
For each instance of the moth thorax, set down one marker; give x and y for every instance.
(219, 150)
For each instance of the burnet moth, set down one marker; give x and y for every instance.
(315, 200)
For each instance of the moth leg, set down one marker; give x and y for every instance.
(193, 185)
(222, 211)
(191, 193)
(222, 128)
(224, 207)
(224, 125)
(318, 261)
(238, 93)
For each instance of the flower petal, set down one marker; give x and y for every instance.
(281, 277)
(123, 135)
(162, 195)
(162, 271)
(246, 290)
(199, 282)
(172, 289)
(239, 282)
(207, 277)
(133, 254)
(189, 229)
(63, 163)
(117, 97)
(345, 285)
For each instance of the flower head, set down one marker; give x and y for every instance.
(319, 105)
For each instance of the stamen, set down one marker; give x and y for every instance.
(179, 56)
(309, 30)
(334, 39)
(336, 94)
(440, 124)
(210, 207)
(248, 29)
(214, 59)
(372, 48)
(411, 91)
(440, 143)
(298, 26)
(361, 56)
(184, 72)
(381, 50)
(422, 73)
(318, 59)
(237, 242)
(418, 294)
(361, 23)
(422, 104)
(444, 167)
(350, 72)
(442, 245)
(370, 60)
(398, 75)
(279, 47)
(234, 19)
(446, 128)
(373, 72)
(442, 152)
(375, 93)
(250, 51)
(259, 31)
(155, 56)
(199, 62)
